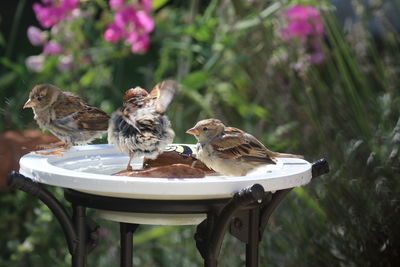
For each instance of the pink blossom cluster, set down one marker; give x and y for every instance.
(50, 13)
(304, 24)
(132, 23)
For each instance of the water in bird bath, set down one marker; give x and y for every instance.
(108, 162)
(100, 164)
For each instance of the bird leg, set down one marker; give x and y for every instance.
(129, 167)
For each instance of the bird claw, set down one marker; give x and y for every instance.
(49, 146)
(54, 152)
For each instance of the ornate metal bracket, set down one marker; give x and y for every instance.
(210, 233)
(246, 216)
(80, 232)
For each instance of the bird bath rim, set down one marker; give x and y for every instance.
(79, 167)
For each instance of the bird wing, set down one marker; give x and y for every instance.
(72, 113)
(163, 93)
(89, 119)
(238, 145)
(92, 119)
(67, 104)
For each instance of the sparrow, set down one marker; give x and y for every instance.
(231, 151)
(140, 127)
(66, 116)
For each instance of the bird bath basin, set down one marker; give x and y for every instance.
(89, 169)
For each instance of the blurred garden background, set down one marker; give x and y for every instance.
(318, 78)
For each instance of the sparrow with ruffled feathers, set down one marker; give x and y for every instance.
(231, 151)
(140, 127)
(66, 116)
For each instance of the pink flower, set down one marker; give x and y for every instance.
(68, 4)
(146, 5)
(113, 33)
(132, 22)
(47, 16)
(299, 12)
(65, 63)
(125, 16)
(141, 44)
(35, 63)
(117, 4)
(36, 36)
(303, 21)
(304, 24)
(52, 48)
(144, 21)
(53, 11)
(298, 29)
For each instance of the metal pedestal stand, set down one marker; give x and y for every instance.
(245, 215)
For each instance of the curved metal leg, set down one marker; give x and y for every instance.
(269, 206)
(214, 235)
(18, 181)
(80, 232)
(318, 168)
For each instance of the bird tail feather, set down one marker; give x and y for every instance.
(286, 155)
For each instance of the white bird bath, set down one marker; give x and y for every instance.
(88, 169)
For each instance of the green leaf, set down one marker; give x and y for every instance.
(11, 65)
(87, 79)
(311, 203)
(248, 23)
(7, 79)
(158, 3)
(196, 80)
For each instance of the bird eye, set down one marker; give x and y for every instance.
(205, 128)
(39, 98)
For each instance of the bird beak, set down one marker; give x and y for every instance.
(193, 131)
(29, 104)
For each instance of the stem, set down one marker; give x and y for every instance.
(14, 28)
(184, 60)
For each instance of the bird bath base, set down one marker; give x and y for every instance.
(216, 204)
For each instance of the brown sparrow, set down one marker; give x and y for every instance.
(231, 151)
(66, 116)
(140, 127)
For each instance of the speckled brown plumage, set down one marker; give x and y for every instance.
(66, 115)
(140, 127)
(231, 151)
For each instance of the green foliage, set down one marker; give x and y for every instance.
(233, 65)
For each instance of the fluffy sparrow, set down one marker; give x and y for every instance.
(66, 116)
(140, 127)
(231, 151)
